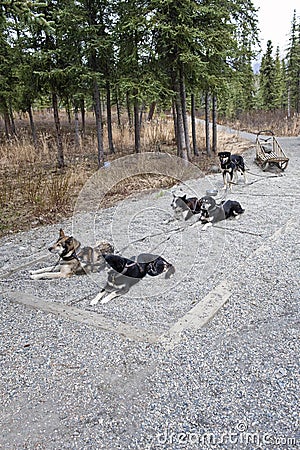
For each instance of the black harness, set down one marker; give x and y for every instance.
(228, 166)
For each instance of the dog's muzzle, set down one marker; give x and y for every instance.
(205, 207)
(56, 250)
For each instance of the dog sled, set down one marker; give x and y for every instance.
(268, 151)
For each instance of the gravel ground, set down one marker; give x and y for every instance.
(231, 384)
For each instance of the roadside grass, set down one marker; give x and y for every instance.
(277, 121)
(34, 192)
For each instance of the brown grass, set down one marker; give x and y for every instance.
(34, 192)
(276, 121)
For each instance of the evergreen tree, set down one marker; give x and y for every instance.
(293, 66)
(279, 82)
(267, 78)
(145, 51)
(6, 77)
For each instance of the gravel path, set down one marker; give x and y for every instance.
(121, 375)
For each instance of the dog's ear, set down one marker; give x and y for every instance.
(61, 233)
(73, 242)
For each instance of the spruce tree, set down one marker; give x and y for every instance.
(293, 66)
(267, 78)
(279, 85)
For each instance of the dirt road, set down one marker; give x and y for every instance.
(206, 359)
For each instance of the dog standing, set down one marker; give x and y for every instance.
(230, 166)
(212, 212)
(73, 260)
(125, 273)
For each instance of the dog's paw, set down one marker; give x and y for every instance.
(94, 301)
(34, 276)
(197, 222)
(207, 225)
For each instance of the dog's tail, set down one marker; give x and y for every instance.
(240, 164)
(105, 247)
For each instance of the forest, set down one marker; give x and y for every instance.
(86, 81)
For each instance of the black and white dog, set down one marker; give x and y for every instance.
(185, 207)
(211, 212)
(125, 273)
(230, 166)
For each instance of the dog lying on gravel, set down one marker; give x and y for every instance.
(211, 212)
(73, 259)
(185, 207)
(230, 166)
(125, 273)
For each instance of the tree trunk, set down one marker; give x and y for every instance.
(174, 114)
(207, 134)
(298, 92)
(289, 102)
(76, 119)
(128, 110)
(109, 123)
(82, 110)
(151, 111)
(60, 151)
(118, 110)
(98, 116)
(184, 113)
(68, 110)
(136, 124)
(6, 118)
(142, 113)
(193, 119)
(214, 123)
(7, 124)
(180, 137)
(32, 126)
(12, 121)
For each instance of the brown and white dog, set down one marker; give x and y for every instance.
(73, 259)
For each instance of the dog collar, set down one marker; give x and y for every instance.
(68, 258)
(210, 209)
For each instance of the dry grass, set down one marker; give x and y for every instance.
(34, 192)
(277, 121)
(134, 185)
(34, 196)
